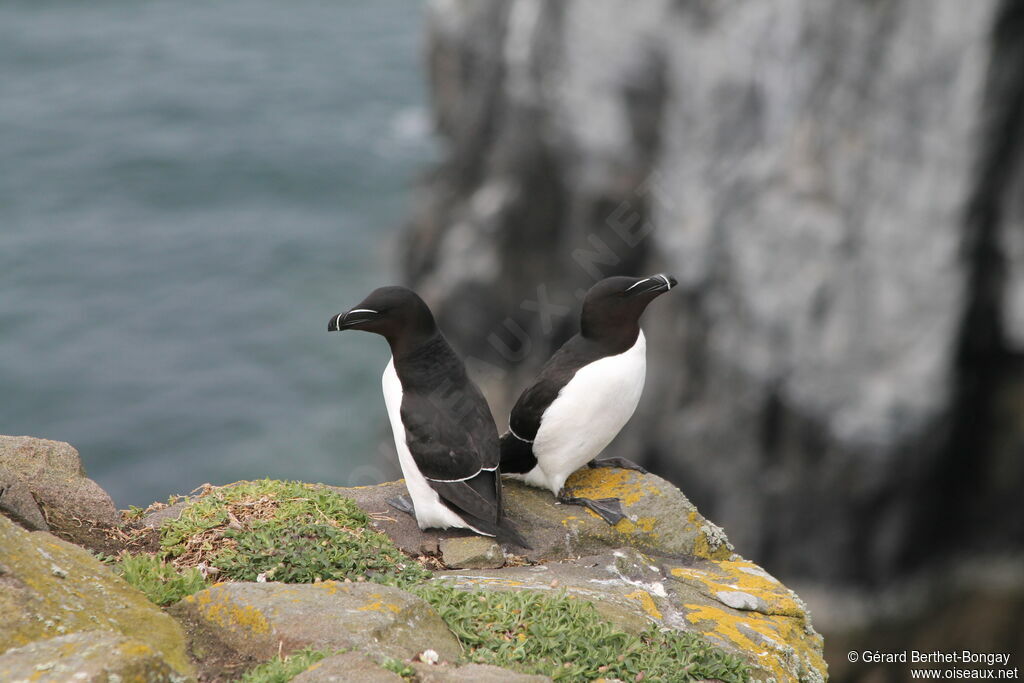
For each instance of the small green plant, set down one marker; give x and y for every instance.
(285, 531)
(104, 558)
(133, 513)
(161, 582)
(283, 669)
(398, 667)
(300, 533)
(681, 656)
(565, 638)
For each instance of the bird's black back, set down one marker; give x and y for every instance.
(434, 381)
(517, 453)
(449, 429)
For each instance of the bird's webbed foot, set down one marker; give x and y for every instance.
(402, 504)
(624, 463)
(608, 509)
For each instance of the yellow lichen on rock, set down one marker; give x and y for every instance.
(723, 579)
(778, 644)
(87, 656)
(218, 607)
(495, 581)
(137, 649)
(373, 618)
(56, 589)
(572, 522)
(378, 604)
(642, 525)
(604, 482)
(710, 543)
(647, 603)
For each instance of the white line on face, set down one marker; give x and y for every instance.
(362, 310)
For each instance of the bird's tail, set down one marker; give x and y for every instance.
(509, 534)
(504, 531)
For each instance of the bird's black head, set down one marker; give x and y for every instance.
(396, 313)
(612, 308)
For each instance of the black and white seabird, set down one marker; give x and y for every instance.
(445, 435)
(585, 393)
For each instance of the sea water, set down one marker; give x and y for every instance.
(188, 191)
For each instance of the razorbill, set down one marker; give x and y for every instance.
(445, 435)
(585, 393)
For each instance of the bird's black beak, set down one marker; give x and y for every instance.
(659, 284)
(350, 319)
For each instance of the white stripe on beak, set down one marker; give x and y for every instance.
(668, 283)
(646, 279)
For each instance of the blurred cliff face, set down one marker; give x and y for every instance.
(836, 185)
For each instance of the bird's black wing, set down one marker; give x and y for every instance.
(455, 445)
(517, 455)
(529, 410)
(524, 421)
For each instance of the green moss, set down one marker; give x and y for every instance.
(285, 531)
(161, 582)
(565, 638)
(299, 533)
(283, 669)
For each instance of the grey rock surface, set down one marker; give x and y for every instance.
(471, 552)
(770, 627)
(50, 588)
(157, 518)
(349, 667)
(836, 185)
(258, 620)
(660, 519)
(472, 673)
(87, 657)
(50, 473)
(18, 503)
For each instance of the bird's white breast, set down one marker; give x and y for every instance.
(430, 511)
(587, 414)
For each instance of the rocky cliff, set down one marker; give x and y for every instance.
(273, 581)
(835, 184)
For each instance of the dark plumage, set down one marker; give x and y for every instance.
(445, 435)
(585, 393)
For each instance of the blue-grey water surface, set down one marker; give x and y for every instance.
(188, 190)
